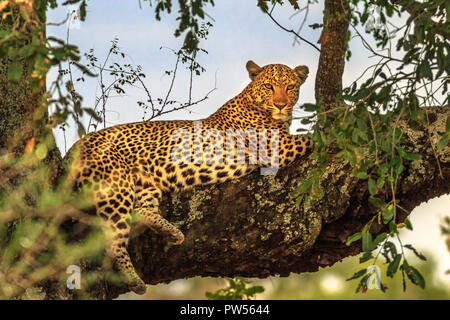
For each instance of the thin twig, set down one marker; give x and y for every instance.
(293, 32)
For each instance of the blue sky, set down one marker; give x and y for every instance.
(241, 32)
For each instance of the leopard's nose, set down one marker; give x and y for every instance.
(280, 105)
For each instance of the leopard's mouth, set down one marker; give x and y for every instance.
(281, 116)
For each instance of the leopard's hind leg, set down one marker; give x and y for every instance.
(115, 203)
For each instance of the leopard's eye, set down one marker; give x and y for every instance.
(290, 87)
(268, 86)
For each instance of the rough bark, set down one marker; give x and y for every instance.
(17, 105)
(22, 114)
(333, 42)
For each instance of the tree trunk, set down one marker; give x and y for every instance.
(23, 113)
(23, 123)
(333, 42)
(17, 106)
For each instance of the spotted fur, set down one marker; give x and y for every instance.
(128, 166)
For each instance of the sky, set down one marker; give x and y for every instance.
(240, 32)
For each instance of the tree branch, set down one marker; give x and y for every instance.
(293, 32)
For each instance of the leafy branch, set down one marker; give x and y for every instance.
(363, 126)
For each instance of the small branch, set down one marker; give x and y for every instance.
(369, 47)
(293, 32)
(183, 106)
(171, 83)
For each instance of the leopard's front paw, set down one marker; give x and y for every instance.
(176, 238)
(134, 282)
(138, 287)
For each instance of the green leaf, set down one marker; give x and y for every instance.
(84, 69)
(375, 201)
(15, 71)
(232, 283)
(424, 70)
(372, 187)
(395, 161)
(262, 5)
(365, 257)
(393, 266)
(367, 244)
(361, 125)
(26, 51)
(362, 283)
(380, 182)
(355, 135)
(83, 10)
(299, 199)
(408, 224)
(254, 290)
(390, 248)
(211, 295)
(309, 107)
(388, 214)
(443, 141)
(382, 170)
(379, 238)
(399, 168)
(363, 136)
(353, 238)
(305, 187)
(361, 175)
(401, 152)
(358, 274)
(393, 227)
(412, 156)
(91, 112)
(415, 276)
(418, 254)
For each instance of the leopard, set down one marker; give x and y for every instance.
(128, 167)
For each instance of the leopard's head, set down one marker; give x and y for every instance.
(275, 88)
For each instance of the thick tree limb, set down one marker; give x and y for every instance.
(250, 227)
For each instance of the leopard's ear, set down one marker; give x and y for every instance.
(253, 69)
(302, 72)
